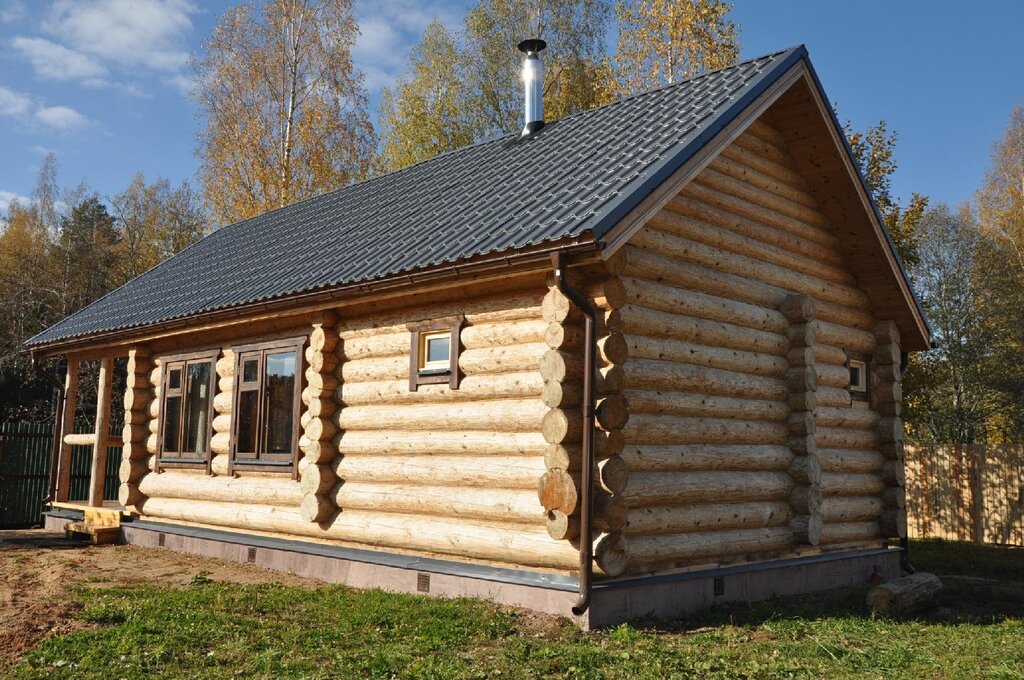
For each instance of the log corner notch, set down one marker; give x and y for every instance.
(317, 442)
(138, 396)
(886, 399)
(562, 368)
(802, 384)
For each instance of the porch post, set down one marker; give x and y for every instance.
(99, 448)
(63, 490)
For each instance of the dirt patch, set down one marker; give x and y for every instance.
(37, 566)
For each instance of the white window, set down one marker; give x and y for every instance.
(858, 375)
(435, 351)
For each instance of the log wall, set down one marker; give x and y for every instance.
(742, 440)
(437, 470)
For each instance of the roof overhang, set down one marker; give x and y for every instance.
(795, 103)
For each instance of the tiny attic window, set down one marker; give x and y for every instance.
(434, 353)
(858, 365)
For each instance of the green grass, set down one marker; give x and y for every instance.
(213, 630)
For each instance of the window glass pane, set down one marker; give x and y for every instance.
(248, 401)
(279, 401)
(174, 379)
(438, 348)
(172, 418)
(197, 407)
(250, 369)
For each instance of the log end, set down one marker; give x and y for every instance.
(905, 595)
(611, 554)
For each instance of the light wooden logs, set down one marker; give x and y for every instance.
(611, 553)
(506, 415)
(781, 209)
(97, 475)
(886, 397)
(905, 595)
(710, 457)
(281, 491)
(500, 505)
(657, 429)
(647, 551)
(838, 484)
(83, 439)
(692, 252)
(646, 489)
(652, 266)
(502, 307)
(137, 396)
(610, 514)
(852, 509)
(567, 456)
(667, 349)
(650, 374)
(707, 517)
(385, 442)
(510, 472)
(471, 388)
(850, 532)
(685, 404)
(842, 438)
(521, 545)
(634, 320)
(850, 460)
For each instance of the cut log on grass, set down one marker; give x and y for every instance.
(905, 595)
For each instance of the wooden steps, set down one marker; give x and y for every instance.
(97, 534)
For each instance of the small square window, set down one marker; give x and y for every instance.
(435, 351)
(858, 376)
(434, 354)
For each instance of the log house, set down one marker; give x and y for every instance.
(385, 385)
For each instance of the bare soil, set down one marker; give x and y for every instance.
(37, 567)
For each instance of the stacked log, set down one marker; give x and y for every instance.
(318, 429)
(138, 394)
(802, 385)
(561, 369)
(220, 445)
(886, 399)
(153, 439)
(738, 306)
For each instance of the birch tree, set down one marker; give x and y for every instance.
(662, 42)
(283, 105)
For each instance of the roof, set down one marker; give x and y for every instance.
(572, 181)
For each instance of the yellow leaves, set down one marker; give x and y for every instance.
(285, 112)
(665, 41)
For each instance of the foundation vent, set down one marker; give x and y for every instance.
(161, 539)
(719, 586)
(423, 582)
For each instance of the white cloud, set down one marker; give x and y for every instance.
(130, 33)
(182, 83)
(388, 29)
(61, 117)
(57, 62)
(7, 197)
(12, 11)
(13, 103)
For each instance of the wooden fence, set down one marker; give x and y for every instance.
(25, 459)
(966, 493)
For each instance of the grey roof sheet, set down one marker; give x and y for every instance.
(577, 177)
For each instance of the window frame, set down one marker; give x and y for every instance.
(419, 372)
(856, 393)
(283, 462)
(168, 363)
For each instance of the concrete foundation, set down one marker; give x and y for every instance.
(664, 596)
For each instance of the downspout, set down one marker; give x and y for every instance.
(905, 541)
(58, 422)
(587, 448)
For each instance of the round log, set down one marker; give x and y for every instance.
(557, 394)
(375, 369)
(743, 172)
(833, 396)
(677, 351)
(647, 429)
(612, 412)
(526, 332)
(850, 532)
(634, 320)
(655, 521)
(134, 433)
(853, 509)
(893, 472)
(507, 472)
(221, 423)
(560, 426)
(559, 336)
(771, 203)
(841, 484)
(153, 443)
(501, 505)
(842, 438)
(684, 404)
(221, 443)
(318, 479)
(503, 306)
(129, 495)
(846, 417)
(832, 376)
(613, 474)
(844, 336)
(609, 379)
(222, 403)
(807, 529)
(282, 491)
(524, 385)
(611, 553)
(806, 499)
(650, 374)
(320, 429)
(323, 339)
(558, 308)
(521, 545)
(478, 444)
(567, 456)
(561, 526)
(805, 470)
(321, 363)
(893, 524)
(698, 457)
(559, 366)
(316, 509)
(905, 595)
(648, 489)
(646, 551)
(507, 415)
(321, 407)
(501, 359)
(557, 490)
(850, 460)
(132, 470)
(612, 348)
(317, 451)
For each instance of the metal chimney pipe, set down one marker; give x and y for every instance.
(533, 80)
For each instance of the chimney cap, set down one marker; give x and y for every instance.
(532, 46)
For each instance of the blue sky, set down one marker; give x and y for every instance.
(102, 83)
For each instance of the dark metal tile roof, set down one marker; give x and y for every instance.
(576, 178)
